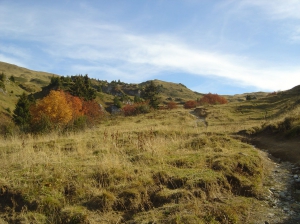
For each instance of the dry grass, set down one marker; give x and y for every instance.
(157, 167)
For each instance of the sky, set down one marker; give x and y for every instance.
(217, 46)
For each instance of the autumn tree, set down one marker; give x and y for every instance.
(150, 94)
(54, 107)
(76, 104)
(92, 110)
(22, 116)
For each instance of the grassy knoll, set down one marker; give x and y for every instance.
(25, 81)
(154, 168)
(272, 122)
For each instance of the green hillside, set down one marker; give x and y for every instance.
(25, 80)
(174, 91)
(31, 82)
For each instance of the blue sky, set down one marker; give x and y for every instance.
(218, 46)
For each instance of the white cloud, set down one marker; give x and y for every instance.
(286, 11)
(278, 9)
(99, 47)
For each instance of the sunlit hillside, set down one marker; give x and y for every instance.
(166, 165)
(161, 167)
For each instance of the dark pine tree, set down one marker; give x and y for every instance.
(22, 116)
(150, 94)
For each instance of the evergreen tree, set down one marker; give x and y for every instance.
(82, 88)
(12, 78)
(137, 99)
(2, 77)
(55, 82)
(117, 102)
(150, 93)
(22, 116)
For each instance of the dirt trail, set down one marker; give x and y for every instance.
(279, 147)
(281, 205)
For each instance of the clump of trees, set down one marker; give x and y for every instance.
(58, 110)
(150, 100)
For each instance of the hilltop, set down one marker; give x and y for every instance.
(34, 82)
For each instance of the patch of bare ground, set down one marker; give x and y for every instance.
(285, 149)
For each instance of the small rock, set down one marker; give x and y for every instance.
(282, 194)
(296, 176)
(286, 209)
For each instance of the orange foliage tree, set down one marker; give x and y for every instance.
(76, 104)
(60, 108)
(190, 104)
(212, 99)
(55, 107)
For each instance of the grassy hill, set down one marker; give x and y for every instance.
(174, 91)
(167, 166)
(32, 82)
(25, 81)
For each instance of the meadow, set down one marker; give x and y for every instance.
(166, 166)
(162, 167)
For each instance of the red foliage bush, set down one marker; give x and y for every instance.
(92, 110)
(137, 108)
(212, 99)
(129, 110)
(190, 104)
(172, 105)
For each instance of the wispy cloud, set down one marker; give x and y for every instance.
(278, 9)
(98, 47)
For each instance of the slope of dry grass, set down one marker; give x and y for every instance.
(157, 168)
(25, 81)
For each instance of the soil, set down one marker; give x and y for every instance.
(284, 149)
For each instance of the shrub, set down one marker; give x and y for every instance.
(190, 104)
(129, 110)
(212, 99)
(137, 108)
(172, 105)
